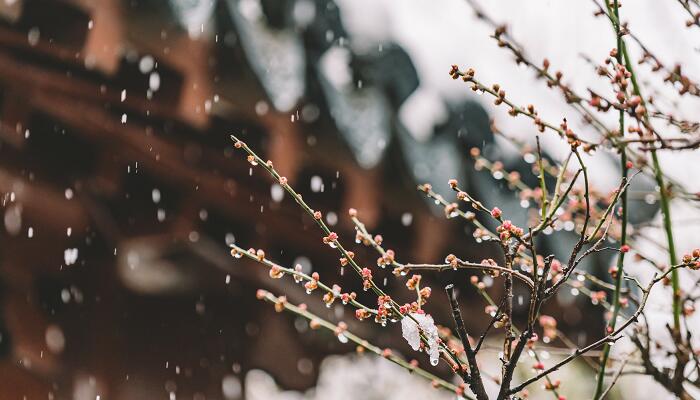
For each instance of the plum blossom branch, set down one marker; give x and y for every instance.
(389, 307)
(312, 281)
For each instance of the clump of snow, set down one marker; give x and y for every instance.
(411, 329)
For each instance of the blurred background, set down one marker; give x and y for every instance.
(120, 190)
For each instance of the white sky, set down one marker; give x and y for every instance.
(440, 33)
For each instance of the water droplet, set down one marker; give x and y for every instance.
(55, 340)
(155, 195)
(332, 218)
(276, 192)
(231, 387)
(316, 184)
(146, 64)
(305, 263)
(154, 81)
(261, 108)
(65, 295)
(33, 36)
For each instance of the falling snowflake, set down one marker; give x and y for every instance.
(70, 256)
